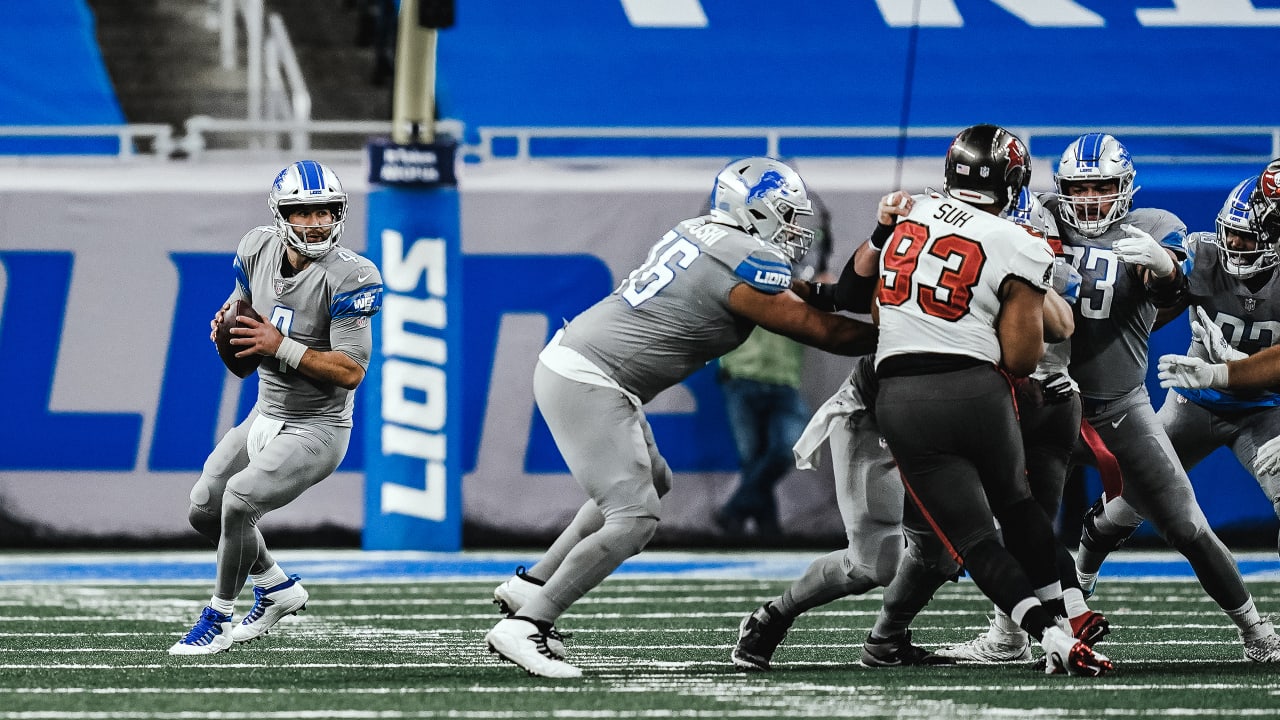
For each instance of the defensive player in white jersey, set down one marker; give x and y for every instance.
(1237, 305)
(961, 309)
(1130, 263)
(1049, 418)
(703, 288)
(316, 298)
(869, 492)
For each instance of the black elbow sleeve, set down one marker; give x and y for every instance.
(1168, 292)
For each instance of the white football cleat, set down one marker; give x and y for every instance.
(211, 634)
(992, 646)
(1063, 653)
(514, 594)
(522, 642)
(269, 606)
(1265, 648)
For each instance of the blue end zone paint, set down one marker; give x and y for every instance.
(343, 565)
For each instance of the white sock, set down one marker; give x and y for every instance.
(226, 607)
(1005, 624)
(1246, 618)
(272, 577)
(1073, 598)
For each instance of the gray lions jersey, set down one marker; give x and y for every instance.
(670, 316)
(326, 306)
(1114, 314)
(1247, 311)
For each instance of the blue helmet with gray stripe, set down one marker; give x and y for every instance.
(1095, 159)
(308, 183)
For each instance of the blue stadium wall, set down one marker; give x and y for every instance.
(540, 245)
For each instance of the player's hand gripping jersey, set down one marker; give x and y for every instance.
(670, 316)
(940, 284)
(326, 306)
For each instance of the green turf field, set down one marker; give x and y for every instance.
(649, 648)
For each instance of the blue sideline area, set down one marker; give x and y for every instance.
(342, 565)
(52, 73)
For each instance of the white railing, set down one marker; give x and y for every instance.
(158, 136)
(281, 66)
(251, 11)
(774, 137)
(275, 88)
(158, 139)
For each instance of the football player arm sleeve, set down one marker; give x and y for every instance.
(856, 287)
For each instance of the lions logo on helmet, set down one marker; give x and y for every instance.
(764, 197)
(307, 183)
(1099, 159)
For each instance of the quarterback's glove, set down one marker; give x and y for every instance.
(1267, 461)
(1066, 280)
(1057, 388)
(1139, 248)
(1208, 334)
(1191, 373)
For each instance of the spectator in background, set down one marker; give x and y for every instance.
(761, 385)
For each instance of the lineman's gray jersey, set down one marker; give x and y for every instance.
(326, 306)
(671, 316)
(1250, 321)
(1114, 314)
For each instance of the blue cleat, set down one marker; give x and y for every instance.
(211, 634)
(270, 605)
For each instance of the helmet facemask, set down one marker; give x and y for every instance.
(766, 198)
(1231, 224)
(1095, 158)
(307, 183)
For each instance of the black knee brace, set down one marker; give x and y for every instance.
(1093, 539)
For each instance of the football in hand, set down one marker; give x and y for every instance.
(240, 366)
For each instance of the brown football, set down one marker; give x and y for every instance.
(240, 366)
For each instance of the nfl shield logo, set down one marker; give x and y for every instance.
(984, 171)
(279, 286)
(1250, 304)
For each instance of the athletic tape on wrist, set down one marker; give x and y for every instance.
(290, 352)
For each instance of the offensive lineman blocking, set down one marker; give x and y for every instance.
(705, 285)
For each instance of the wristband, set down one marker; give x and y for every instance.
(1219, 380)
(880, 235)
(290, 352)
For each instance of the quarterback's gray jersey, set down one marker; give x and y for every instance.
(1114, 314)
(671, 316)
(326, 306)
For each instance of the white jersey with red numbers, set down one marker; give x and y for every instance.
(940, 278)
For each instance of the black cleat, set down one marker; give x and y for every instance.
(896, 652)
(759, 635)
